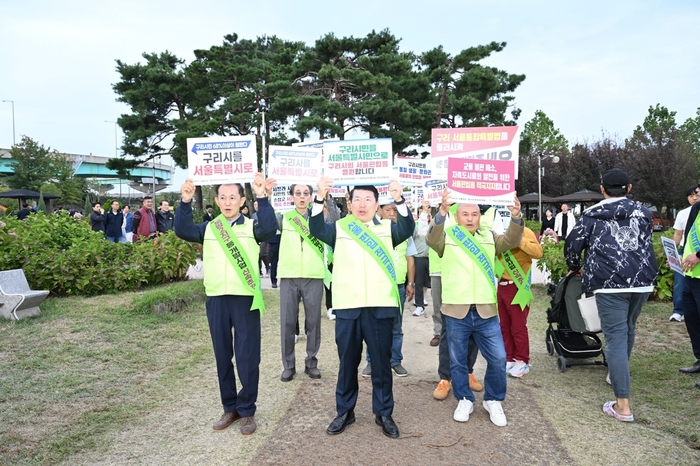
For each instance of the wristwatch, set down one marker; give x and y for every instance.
(316, 201)
(410, 284)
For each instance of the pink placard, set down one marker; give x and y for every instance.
(476, 178)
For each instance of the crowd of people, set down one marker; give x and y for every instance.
(479, 276)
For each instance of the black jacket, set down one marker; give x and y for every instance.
(164, 221)
(113, 223)
(616, 237)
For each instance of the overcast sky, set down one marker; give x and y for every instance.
(590, 66)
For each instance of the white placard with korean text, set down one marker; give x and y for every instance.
(222, 159)
(281, 200)
(358, 162)
(291, 165)
(412, 171)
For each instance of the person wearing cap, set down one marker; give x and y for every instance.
(405, 278)
(469, 301)
(620, 268)
(368, 301)
(692, 193)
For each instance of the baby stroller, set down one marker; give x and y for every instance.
(567, 334)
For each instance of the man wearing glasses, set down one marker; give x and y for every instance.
(302, 271)
(693, 193)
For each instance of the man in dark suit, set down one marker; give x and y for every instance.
(365, 310)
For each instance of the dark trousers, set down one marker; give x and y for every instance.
(373, 325)
(422, 279)
(274, 259)
(233, 312)
(444, 354)
(691, 306)
(329, 291)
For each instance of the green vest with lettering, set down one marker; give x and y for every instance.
(220, 278)
(358, 281)
(297, 259)
(463, 281)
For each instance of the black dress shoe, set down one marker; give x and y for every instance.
(389, 427)
(288, 374)
(340, 423)
(694, 369)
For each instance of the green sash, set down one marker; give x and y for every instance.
(522, 281)
(373, 245)
(465, 240)
(301, 226)
(239, 260)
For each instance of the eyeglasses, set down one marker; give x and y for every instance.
(299, 193)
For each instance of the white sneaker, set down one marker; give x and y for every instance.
(519, 369)
(607, 378)
(509, 365)
(676, 317)
(464, 409)
(330, 314)
(419, 311)
(496, 412)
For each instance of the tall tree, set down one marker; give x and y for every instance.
(467, 93)
(33, 165)
(157, 93)
(541, 137)
(660, 165)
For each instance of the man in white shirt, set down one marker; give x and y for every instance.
(693, 193)
(564, 222)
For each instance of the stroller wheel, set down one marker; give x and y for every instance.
(550, 347)
(561, 364)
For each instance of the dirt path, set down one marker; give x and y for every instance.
(545, 425)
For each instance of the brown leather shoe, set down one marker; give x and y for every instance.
(435, 341)
(226, 420)
(248, 425)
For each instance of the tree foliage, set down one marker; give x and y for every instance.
(33, 165)
(329, 89)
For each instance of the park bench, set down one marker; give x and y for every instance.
(17, 301)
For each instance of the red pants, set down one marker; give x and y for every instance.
(513, 321)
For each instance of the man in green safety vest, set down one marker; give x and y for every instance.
(232, 284)
(302, 272)
(366, 300)
(469, 304)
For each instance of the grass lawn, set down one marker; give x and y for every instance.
(88, 367)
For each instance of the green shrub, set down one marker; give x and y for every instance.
(62, 254)
(663, 288)
(553, 260)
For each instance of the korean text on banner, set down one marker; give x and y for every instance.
(486, 144)
(360, 162)
(290, 165)
(433, 191)
(413, 171)
(281, 199)
(222, 159)
(481, 182)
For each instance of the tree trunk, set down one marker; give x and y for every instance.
(198, 196)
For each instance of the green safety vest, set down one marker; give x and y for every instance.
(434, 262)
(692, 245)
(401, 262)
(358, 281)
(220, 278)
(297, 259)
(463, 282)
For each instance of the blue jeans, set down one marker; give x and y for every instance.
(487, 333)
(678, 283)
(618, 314)
(396, 332)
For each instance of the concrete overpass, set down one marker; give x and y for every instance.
(93, 166)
